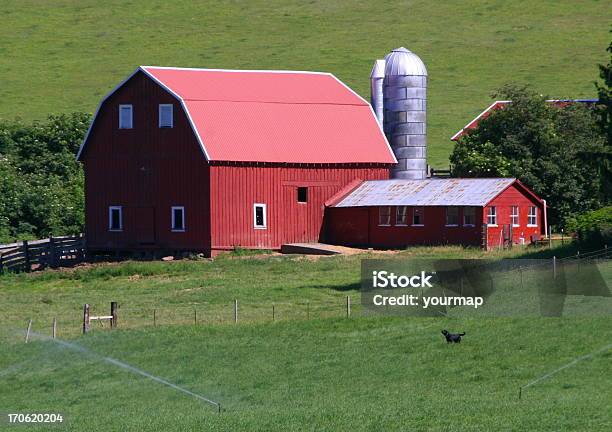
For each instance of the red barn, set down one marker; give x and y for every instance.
(488, 212)
(207, 160)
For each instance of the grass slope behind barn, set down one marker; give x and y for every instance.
(66, 55)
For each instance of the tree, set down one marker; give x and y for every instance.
(41, 183)
(604, 92)
(555, 150)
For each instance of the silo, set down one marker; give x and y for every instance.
(404, 90)
(376, 89)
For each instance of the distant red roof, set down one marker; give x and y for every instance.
(276, 116)
(500, 104)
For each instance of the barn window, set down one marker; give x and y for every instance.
(115, 218)
(418, 216)
(166, 117)
(259, 216)
(469, 216)
(532, 219)
(452, 216)
(514, 216)
(401, 216)
(125, 117)
(492, 216)
(384, 216)
(302, 194)
(178, 219)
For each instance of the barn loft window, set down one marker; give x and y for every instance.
(166, 117)
(492, 216)
(418, 216)
(514, 216)
(452, 216)
(532, 218)
(302, 194)
(115, 218)
(401, 217)
(384, 216)
(178, 219)
(469, 216)
(125, 117)
(259, 216)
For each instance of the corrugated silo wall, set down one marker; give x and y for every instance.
(405, 124)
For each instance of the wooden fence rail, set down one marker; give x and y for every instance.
(35, 254)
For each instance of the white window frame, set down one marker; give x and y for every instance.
(265, 216)
(110, 218)
(534, 216)
(173, 219)
(446, 216)
(473, 211)
(380, 214)
(161, 106)
(397, 216)
(515, 216)
(121, 125)
(414, 209)
(492, 216)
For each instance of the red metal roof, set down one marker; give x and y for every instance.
(276, 116)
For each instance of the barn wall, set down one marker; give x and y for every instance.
(512, 196)
(358, 226)
(147, 170)
(234, 190)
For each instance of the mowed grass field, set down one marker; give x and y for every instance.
(65, 55)
(321, 372)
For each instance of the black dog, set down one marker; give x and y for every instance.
(452, 337)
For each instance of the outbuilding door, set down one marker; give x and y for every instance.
(145, 225)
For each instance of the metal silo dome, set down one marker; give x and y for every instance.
(401, 62)
(404, 116)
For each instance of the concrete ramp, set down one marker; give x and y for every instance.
(312, 249)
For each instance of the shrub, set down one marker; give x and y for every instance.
(594, 227)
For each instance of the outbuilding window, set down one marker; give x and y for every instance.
(178, 219)
(492, 216)
(115, 218)
(452, 216)
(302, 194)
(469, 216)
(514, 216)
(418, 216)
(259, 216)
(384, 216)
(166, 116)
(125, 117)
(532, 218)
(401, 217)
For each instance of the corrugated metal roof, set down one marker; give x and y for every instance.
(277, 116)
(427, 192)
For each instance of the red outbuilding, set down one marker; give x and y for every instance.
(487, 212)
(208, 160)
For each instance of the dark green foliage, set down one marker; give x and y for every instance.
(559, 152)
(41, 183)
(604, 92)
(593, 228)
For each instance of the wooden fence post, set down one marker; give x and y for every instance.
(154, 318)
(348, 306)
(236, 311)
(1, 264)
(273, 317)
(114, 315)
(54, 331)
(85, 318)
(53, 261)
(195, 316)
(28, 331)
(307, 310)
(26, 253)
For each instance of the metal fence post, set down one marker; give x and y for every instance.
(28, 331)
(554, 267)
(348, 306)
(236, 311)
(54, 332)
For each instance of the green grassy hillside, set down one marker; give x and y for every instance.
(65, 55)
